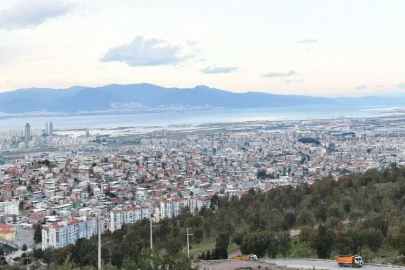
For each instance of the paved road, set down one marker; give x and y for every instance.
(320, 265)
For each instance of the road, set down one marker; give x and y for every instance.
(320, 264)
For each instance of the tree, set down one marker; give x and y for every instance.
(399, 239)
(37, 234)
(37, 253)
(24, 247)
(198, 235)
(47, 255)
(356, 240)
(117, 257)
(309, 140)
(381, 223)
(173, 246)
(60, 255)
(321, 212)
(208, 255)
(129, 263)
(323, 242)
(284, 240)
(289, 220)
(221, 246)
(344, 243)
(256, 243)
(272, 245)
(84, 253)
(215, 202)
(305, 234)
(105, 254)
(238, 238)
(347, 206)
(334, 211)
(373, 238)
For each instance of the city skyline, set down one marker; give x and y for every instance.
(315, 48)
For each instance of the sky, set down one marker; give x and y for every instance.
(321, 48)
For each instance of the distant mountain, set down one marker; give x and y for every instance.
(77, 99)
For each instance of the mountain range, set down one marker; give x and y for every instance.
(80, 99)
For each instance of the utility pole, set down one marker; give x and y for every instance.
(188, 243)
(151, 236)
(99, 241)
(151, 242)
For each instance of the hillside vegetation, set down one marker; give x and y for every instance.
(359, 213)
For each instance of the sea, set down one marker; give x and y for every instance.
(196, 118)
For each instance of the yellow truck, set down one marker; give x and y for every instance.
(350, 261)
(246, 257)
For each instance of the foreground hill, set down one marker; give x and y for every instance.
(77, 99)
(358, 214)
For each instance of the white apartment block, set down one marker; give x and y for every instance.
(116, 220)
(65, 233)
(128, 215)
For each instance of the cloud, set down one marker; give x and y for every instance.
(217, 70)
(401, 86)
(307, 41)
(276, 74)
(6, 54)
(361, 87)
(192, 43)
(294, 81)
(145, 52)
(31, 13)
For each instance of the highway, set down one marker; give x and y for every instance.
(320, 264)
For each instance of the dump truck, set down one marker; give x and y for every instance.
(246, 257)
(351, 261)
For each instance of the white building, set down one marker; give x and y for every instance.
(11, 210)
(66, 233)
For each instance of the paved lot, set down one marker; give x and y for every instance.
(231, 265)
(24, 236)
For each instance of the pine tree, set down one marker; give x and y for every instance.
(208, 255)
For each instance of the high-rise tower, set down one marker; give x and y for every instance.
(27, 133)
(50, 129)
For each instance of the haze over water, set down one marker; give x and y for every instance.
(167, 119)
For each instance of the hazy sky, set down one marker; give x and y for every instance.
(320, 47)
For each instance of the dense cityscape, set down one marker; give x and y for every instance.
(67, 191)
